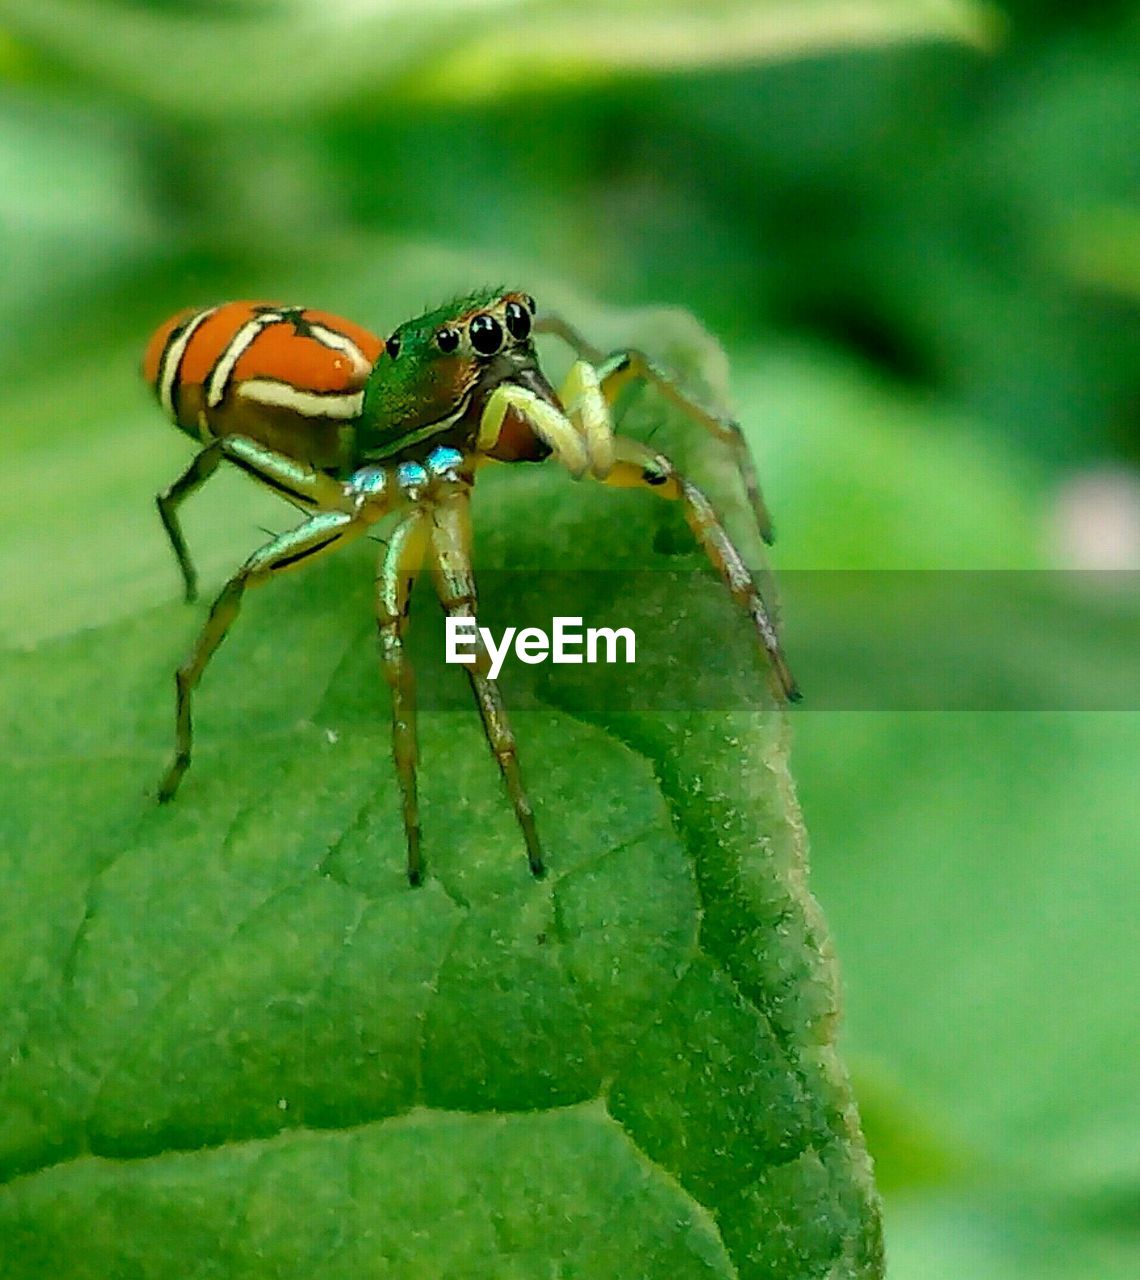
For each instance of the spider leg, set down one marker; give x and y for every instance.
(455, 585)
(625, 463)
(317, 535)
(616, 371)
(554, 324)
(299, 484)
(401, 564)
(637, 466)
(168, 502)
(296, 482)
(322, 532)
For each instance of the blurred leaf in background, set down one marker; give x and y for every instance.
(921, 254)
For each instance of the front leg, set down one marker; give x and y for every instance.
(637, 466)
(615, 372)
(625, 463)
(455, 585)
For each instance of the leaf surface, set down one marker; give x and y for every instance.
(197, 65)
(240, 1044)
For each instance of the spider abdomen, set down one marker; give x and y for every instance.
(290, 378)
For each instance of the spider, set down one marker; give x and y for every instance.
(353, 429)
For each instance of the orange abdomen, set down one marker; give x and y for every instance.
(288, 377)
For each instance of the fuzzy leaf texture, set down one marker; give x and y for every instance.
(236, 1043)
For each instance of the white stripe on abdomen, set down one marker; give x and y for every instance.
(307, 404)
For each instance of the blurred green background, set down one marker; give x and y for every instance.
(916, 229)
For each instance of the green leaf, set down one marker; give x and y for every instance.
(1101, 250)
(194, 66)
(237, 1043)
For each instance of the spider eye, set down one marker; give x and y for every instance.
(447, 339)
(518, 320)
(486, 334)
(392, 346)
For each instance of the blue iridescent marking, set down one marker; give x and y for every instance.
(369, 480)
(444, 461)
(411, 475)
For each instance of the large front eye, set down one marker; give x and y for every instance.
(486, 334)
(518, 320)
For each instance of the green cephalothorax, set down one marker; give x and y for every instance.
(354, 431)
(436, 372)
